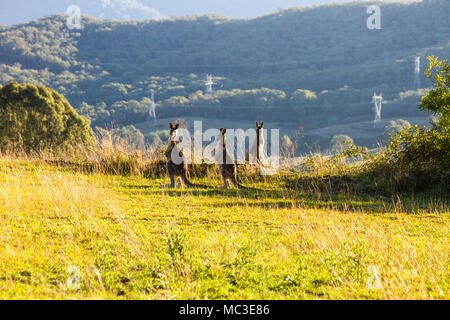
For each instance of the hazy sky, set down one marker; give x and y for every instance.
(235, 8)
(17, 11)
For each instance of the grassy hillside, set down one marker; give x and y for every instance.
(113, 66)
(130, 239)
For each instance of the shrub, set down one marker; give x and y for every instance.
(438, 99)
(36, 118)
(340, 142)
(420, 148)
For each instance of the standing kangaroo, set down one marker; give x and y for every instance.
(228, 166)
(177, 171)
(257, 148)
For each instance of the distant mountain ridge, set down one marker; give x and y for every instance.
(21, 11)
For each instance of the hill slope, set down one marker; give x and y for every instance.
(327, 50)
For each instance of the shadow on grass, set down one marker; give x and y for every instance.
(287, 198)
(344, 193)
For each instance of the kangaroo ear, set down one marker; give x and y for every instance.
(262, 124)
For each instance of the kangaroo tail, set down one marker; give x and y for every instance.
(192, 185)
(240, 186)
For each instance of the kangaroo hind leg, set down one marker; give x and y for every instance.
(226, 184)
(171, 185)
(187, 182)
(237, 185)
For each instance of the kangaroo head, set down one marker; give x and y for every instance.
(223, 132)
(174, 134)
(260, 133)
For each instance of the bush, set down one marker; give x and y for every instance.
(36, 118)
(420, 148)
(437, 100)
(340, 142)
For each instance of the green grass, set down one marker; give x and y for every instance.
(132, 240)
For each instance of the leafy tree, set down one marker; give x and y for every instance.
(303, 96)
(395, 126)
(438, 99)
(131, 136)
(38, 118)
(155, 139)
(420, 148)
(287, 146)
(340, 142)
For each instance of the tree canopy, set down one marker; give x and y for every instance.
(438, 99)
(36, 118)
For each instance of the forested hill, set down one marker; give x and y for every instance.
(327, 52)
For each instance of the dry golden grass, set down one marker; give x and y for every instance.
(130, 239)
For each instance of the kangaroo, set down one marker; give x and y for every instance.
(177, 171)
(229, 166)
(257, 147)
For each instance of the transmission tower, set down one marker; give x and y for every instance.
(378, 101)
(417, 84)
(209, 82)
(152, 109)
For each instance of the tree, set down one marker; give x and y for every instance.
(301, 96)
(287, 146)
(131, 136)
(340, 142)
(438, 99)
(420, 148)
(38, 118)
(155, 139)
(395, 126)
